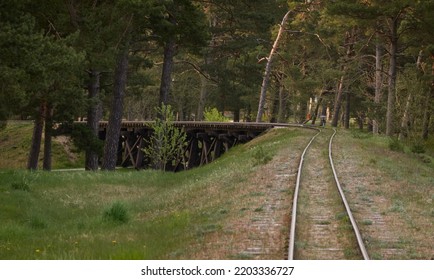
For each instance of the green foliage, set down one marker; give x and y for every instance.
(213, 115)
(182, 21)
(260, 156)
(22, 186)
(167, 142)
(117, 212)
(22, 182)
(359, 134)
(396, 145)
(85, 140)
(418, 148)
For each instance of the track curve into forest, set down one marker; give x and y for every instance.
(322, 225)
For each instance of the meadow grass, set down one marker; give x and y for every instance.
(15, 141)
(394, 182)
(125, 214)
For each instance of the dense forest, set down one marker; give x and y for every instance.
(367, 63)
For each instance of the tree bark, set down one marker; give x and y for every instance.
(338, 102)
(94, 115)
(315, 113)
(349, 43)
(166, 75)
(35, 148)
(347, 110)
(405, 117)
(274, 112)
(282, 105)
(202, 99)
(266, 78)
(48, 133)
(115, 119)
(378, 82)
(428, 107)
(393, 49)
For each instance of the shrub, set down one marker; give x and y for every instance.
(395, 145)
(260, 156)
(213, 115)
(22, 186)
(117, 212)
(418, 148)
(166, 142)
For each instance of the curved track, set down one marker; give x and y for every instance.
(292, 236)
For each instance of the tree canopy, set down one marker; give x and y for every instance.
(368, 63)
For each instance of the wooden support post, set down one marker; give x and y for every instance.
(194, 153)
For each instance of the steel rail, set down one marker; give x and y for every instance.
(347, 207)
(295, 201)
(345, 202)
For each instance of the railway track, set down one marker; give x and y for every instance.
(322, 226)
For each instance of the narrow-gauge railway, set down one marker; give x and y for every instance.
(208, 140)
(320, 221)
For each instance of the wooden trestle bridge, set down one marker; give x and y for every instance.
(206, 141)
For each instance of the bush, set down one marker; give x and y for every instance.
(418, 148)
(117, 212)
(358, 134)
(260, 156)
(22, 186)
(395, 145)
(213, 115)
(167, 142)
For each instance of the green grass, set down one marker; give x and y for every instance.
(15, 141)
(124, 214)
(398, 177)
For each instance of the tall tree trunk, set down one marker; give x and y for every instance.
(318, 103)
(115, 119)
(427, 116)
(338, 102)
(347, 110)
(405, 117)
(237, 114)
(428, 107)
(202, 98)
(35, 148)
(48, 133)
(393, 49)
(94, 115)
(282, 104)
(274, 107)
(166, 75)
(378, 82)
(266, 78)
(350, 37)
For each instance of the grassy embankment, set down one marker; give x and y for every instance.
(15, 141)
(392, 193)
(126, 214)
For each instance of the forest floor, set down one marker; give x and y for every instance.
(238, 207)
